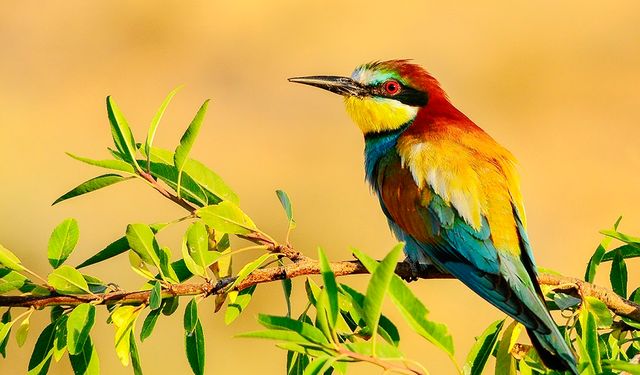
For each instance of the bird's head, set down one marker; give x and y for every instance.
(382, 96)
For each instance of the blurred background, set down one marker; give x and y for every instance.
(555, 82)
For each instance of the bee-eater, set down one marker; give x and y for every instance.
(449, 191)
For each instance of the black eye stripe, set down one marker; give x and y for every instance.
(407, 95)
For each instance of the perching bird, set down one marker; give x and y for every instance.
(449, 191)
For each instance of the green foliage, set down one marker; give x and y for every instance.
(339, 326)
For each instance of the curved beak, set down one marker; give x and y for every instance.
(340, 85)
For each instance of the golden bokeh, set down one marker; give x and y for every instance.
(556, 82)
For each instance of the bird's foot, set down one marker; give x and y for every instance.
(414, 271)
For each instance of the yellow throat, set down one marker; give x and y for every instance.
(375, 115)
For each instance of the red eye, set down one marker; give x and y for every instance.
(392, 87)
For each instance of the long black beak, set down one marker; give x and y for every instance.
(340, 85)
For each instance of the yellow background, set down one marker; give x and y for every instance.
(556, 82)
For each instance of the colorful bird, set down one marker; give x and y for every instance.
(449, 191)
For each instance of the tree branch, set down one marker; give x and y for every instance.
(303, 267)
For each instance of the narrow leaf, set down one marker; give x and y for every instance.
(91, 185)
(412, 309)
(43, 351)
(191, 316)
(288, 209)
(378, 286)
(188, 139)
(135, 356)
(194, 343)
(330, 286)
(505, 362)
(117, 247)
(155, 297)
(122, 135)
(149, 324)
(156, 121)
(117, 165)
(618, 275)
(482, 349)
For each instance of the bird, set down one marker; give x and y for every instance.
(449, 191)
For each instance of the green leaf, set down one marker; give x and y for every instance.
(88, 186)
(505, 362)
(482, 349)
(618, 275)
(630, 368)
(190, 190)
(156, 121)
(306, 330)
(250, 267)
(287, 286)
(191, 316)
(170, 305)
(200, 173)
(597, 256)
(226, 217)
(198, 257)
(143, 242)
(319, 365)
(60, 341)
(590, 339)
(188, 139)
(149, 324)
(627, 251)
(122, 135)
(412, 309)
(43, 351)
(79, 324)
(4, 336)
(135, 356)
(378, 286)
(117, 165)
(288, 209)
(622, 237)
(68, 280)
(5, 329)
(383, 349)
(330, 286)
(9, 260)
(62, 242)
(235, 308)
(600, 311)
(166, 270)
(194, 343)
(124, 320)
(10, 280)
(86, 362)
(155, 297)
(117, 247)
(22, 331)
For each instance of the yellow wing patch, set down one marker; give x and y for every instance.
(466, 178)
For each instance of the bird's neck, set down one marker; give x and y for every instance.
(376, 146)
